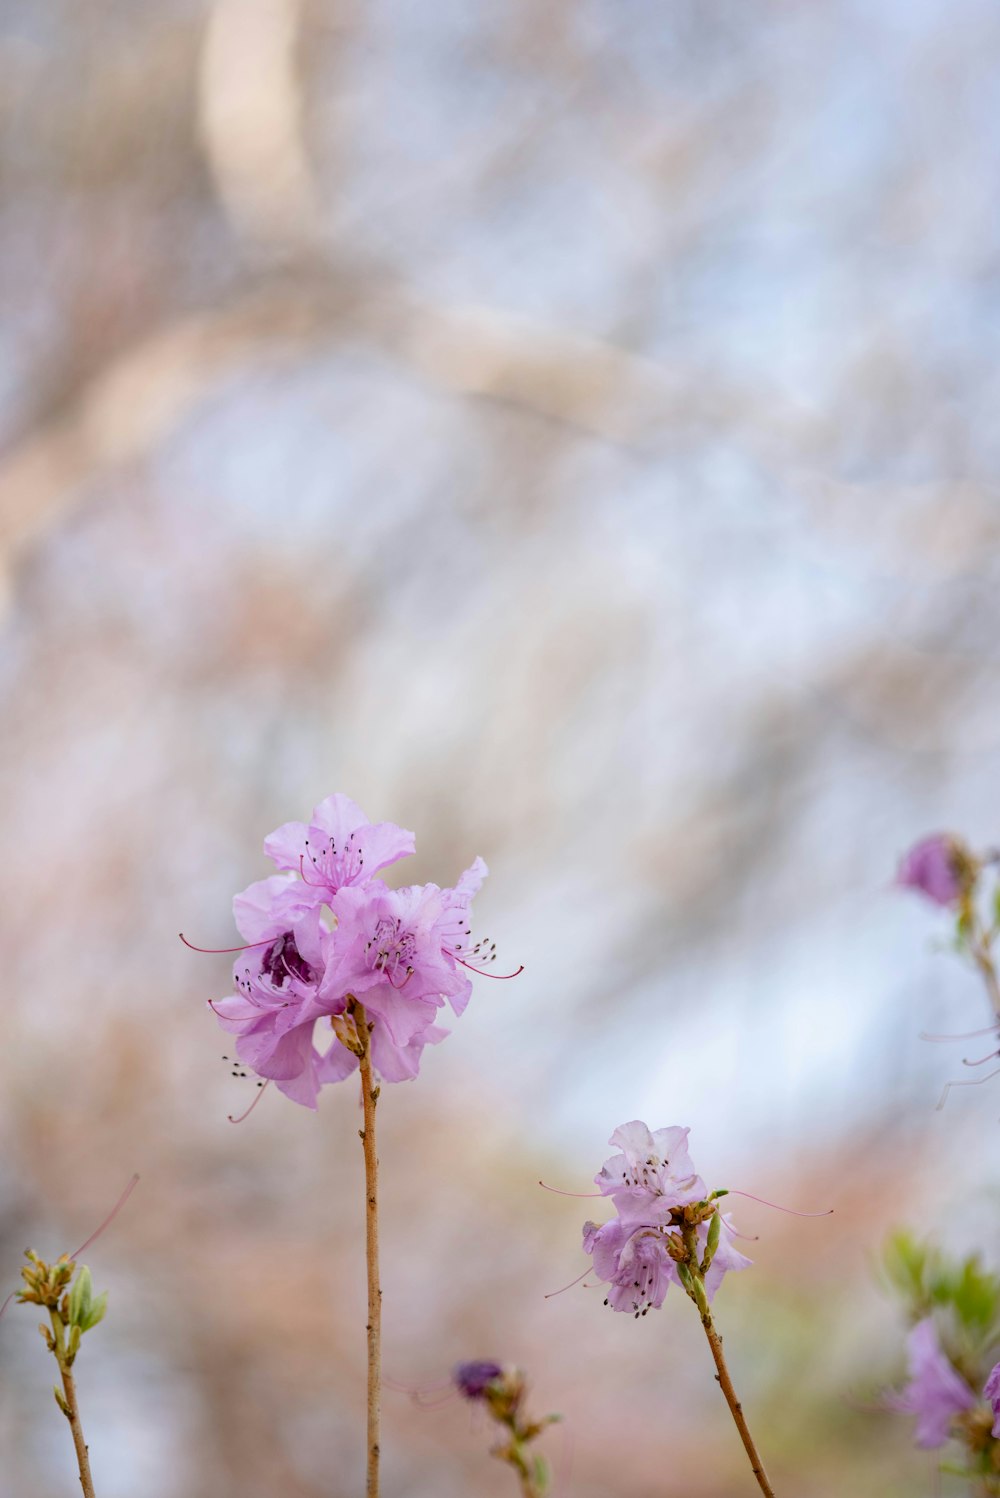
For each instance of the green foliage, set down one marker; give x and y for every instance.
(965, 1295)
(85, 1309)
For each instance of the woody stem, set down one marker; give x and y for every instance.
(369, 1098)
(70, 1407)
(735, 1408)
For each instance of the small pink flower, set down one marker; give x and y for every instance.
(339, 847)
(652, 1174)
(650, 1182)
(935, 1393)
(939, 867)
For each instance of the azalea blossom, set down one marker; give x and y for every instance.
(338, 847)
(275, 1006)
(651, 1182)
(328, 933)
(938, 866)
(935, 1393)
(640, 1262)
(652, 1174)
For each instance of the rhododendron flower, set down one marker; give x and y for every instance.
(276, 1004)
(652, 1174)
(640, 1263)
(658, 1197)
(992, 1393)
(939, 867)
(326, 934)
(338, 847)
(935, 1393)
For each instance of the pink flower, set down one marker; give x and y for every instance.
(992, 1393)
(339, 846)
(274, 1009)
(652, 1174)
(638, 1264)
(401, 954)
(939, 867)
(651, 1182)
(935, 1393)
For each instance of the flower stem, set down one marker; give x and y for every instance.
(735, 1408)
(983, 958)
(369, 1098)
(69, 1406)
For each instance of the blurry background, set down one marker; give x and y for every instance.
(571, 431)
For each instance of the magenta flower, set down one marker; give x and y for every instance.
(274, 1009)
(938, 867)
(327, 931)
(935, 1393)
(338, 847)
(992, 1393)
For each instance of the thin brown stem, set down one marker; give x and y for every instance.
(735, 1408)
(983, 959)
(369, 1097)
(71, 1408)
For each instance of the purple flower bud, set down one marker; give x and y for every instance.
(939, 867)
(992, 1393)
(473, 1379)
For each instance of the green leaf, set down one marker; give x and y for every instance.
(542, 1474)
(97, 1310)
(909, 1267)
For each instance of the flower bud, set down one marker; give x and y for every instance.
(940, 867)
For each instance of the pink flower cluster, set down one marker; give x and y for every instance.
(648, 1181)
(326, 930)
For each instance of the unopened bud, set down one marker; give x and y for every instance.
(712, 1243)
(346, 1032)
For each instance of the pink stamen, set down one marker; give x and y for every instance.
(260, 1093)
(579, 1277)
(241, 995)
(501, 977)
(990, 1056)
(401, 1388)
(221, 951)
(7, 1302)
(581, 1194)
(790, 1210)
(110, 1217)
(398, 986)
(969, 1035)
(972, 1082)
(435, 1403)
(302, 871)
(750, 1237)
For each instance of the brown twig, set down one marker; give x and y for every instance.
(69, 1406)
(736, 1409)
(369, 1097)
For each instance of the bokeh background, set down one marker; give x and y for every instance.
(571, 431)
